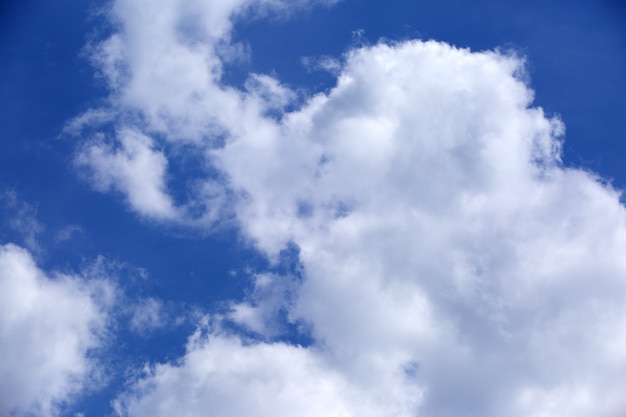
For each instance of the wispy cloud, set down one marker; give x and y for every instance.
(147, 315)
(21, 217)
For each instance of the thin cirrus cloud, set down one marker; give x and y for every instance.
(50, 328)
(451, 265)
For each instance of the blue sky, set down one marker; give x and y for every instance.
(328, 208)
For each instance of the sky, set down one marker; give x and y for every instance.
(313, 208)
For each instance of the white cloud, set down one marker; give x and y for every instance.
(49, 326)
(220, 376)
(452, 265)
(90, 117)
(174, 84)
(269, 91)
(442, 230)
(135, 168)
(322, 63)
(261, 312)
(188, 42)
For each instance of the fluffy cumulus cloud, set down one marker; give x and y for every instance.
(49, 326)
(222, 376)
(451, 265)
